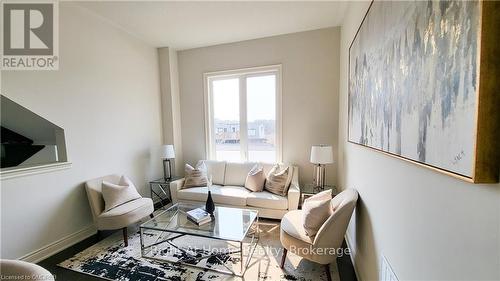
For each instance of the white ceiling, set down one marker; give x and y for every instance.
(185, 25)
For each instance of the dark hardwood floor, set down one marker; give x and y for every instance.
(63, 274)
(344, 264)
(346, 269)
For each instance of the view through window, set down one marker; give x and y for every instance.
(243, 111)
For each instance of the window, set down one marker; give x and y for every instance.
(243, 114)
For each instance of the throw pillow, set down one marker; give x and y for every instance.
(290, 174)
(255, 179)
(323, 195)
(115, 195)
(276, 181)
(126, 181)
(195, 177)
(316, 210)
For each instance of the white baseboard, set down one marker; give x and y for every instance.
(59, 245)
(353, 254)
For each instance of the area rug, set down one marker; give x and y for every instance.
(110, 260)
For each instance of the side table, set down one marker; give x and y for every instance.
(310, 189)
(160, 191)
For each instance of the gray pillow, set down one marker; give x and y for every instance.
(255, 179)
(316, 210)
(115, 195)
(276, 180)
(195, 176)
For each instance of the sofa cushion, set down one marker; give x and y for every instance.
(194, 193)
(216, 169)
(267, 200)
(267, 167)
(231, 195)
(227, 195)
(236, 173)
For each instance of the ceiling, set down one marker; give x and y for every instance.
(186, 25)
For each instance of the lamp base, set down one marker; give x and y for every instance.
(319, 176)
(167, 169)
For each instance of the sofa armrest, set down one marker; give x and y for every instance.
(174, 187)
(294, 191)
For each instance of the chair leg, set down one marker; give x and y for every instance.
(151, 215)
(328, 274)
(283, 258)
(125, 236)
(99, 235)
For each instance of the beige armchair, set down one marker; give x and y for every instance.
(322, 248)
(119, 217)
(21, 270)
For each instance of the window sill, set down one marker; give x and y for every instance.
(16, 172)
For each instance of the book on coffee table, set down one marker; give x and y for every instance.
(200, 223)
(199, 216)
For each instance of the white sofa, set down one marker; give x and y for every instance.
(228, 189)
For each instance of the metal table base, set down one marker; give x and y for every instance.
(147, 250)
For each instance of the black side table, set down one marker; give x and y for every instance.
(160, 191)
(309, 190)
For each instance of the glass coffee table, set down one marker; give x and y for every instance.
(171, 237)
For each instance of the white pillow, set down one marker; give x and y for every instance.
(276, 180)
(115, 195)
(255, 179)
(316, 209)
(195, 176)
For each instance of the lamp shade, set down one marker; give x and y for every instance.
(321, 154)
(167, 151)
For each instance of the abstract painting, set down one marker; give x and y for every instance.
(414, 82)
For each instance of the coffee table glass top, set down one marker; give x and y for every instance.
(228, 223)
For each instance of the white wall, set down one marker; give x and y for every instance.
(310, 62)
(429, 226)
(106, 96)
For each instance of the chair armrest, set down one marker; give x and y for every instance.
(294, 191)
(174, 187)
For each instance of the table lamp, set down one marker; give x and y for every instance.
(167, 154)
(320, 156)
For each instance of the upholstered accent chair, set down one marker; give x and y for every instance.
(21, 270)
(329, 237)
(119, 217)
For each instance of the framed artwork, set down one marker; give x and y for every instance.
(423, 85)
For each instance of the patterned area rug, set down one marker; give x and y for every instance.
(110, 260)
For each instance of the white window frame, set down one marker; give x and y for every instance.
(242, 74)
